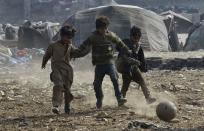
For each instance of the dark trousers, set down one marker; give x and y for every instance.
(62, 87)
(137, 77)
(100, 72)
(59, 92)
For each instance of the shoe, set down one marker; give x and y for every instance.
(67, 109)
(123, 94)
(99, 104)
(55, 110)
(150, 100)
(121, 101)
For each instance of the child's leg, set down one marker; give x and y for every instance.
(111, 71)
(98, 79)
(126, 83)
(68, 97)
(57, 96)
(138, 78)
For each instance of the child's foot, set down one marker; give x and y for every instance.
(67, 109)
(121, 101)
(99, 104)
(150, 100)
(55, 110)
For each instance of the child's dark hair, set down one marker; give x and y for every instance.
(102, 22)
(68, 31)
(135, 31)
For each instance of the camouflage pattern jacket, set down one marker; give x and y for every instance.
(102, 47)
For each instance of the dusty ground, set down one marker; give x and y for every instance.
(25, 101)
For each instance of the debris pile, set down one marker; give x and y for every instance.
(175, 64)
(138, 125)
(12, 56)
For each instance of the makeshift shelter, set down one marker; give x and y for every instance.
(182, 23)
(122, 18)
(10, 32)
(202, 17)
(38, 35)
(172, 33)
(195, 40)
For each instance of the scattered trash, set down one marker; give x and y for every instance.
(23, 122)
(131, 113)
(168, 93)
(186, 118)
(19, 96)
(102, 115)
(192, 107)
(173, 87)
(3, 94)
(201, 83)
(10, 99)
(37, 101)
(180, 87)
(104, 119)
(141, 125)
(181, 76)
(51, 120)
(26, 54)
(12, 56)
(22, 53)
(196, 90)
(163, 86)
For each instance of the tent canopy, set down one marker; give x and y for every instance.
(202, 17)
(182, 23)
(122, 18)
(195, 40)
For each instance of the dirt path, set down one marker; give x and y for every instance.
(25, 101)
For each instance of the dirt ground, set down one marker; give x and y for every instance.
(25, 101)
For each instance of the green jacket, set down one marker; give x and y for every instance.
(102, 47)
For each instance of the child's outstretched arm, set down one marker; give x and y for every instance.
(46, 57)
(83, 50)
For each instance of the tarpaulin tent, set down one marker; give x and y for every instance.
(172, 33)
(122, 18)
(195, 40)
(182, 23)
(202, 17)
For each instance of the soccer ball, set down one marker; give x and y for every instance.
(166, 111)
